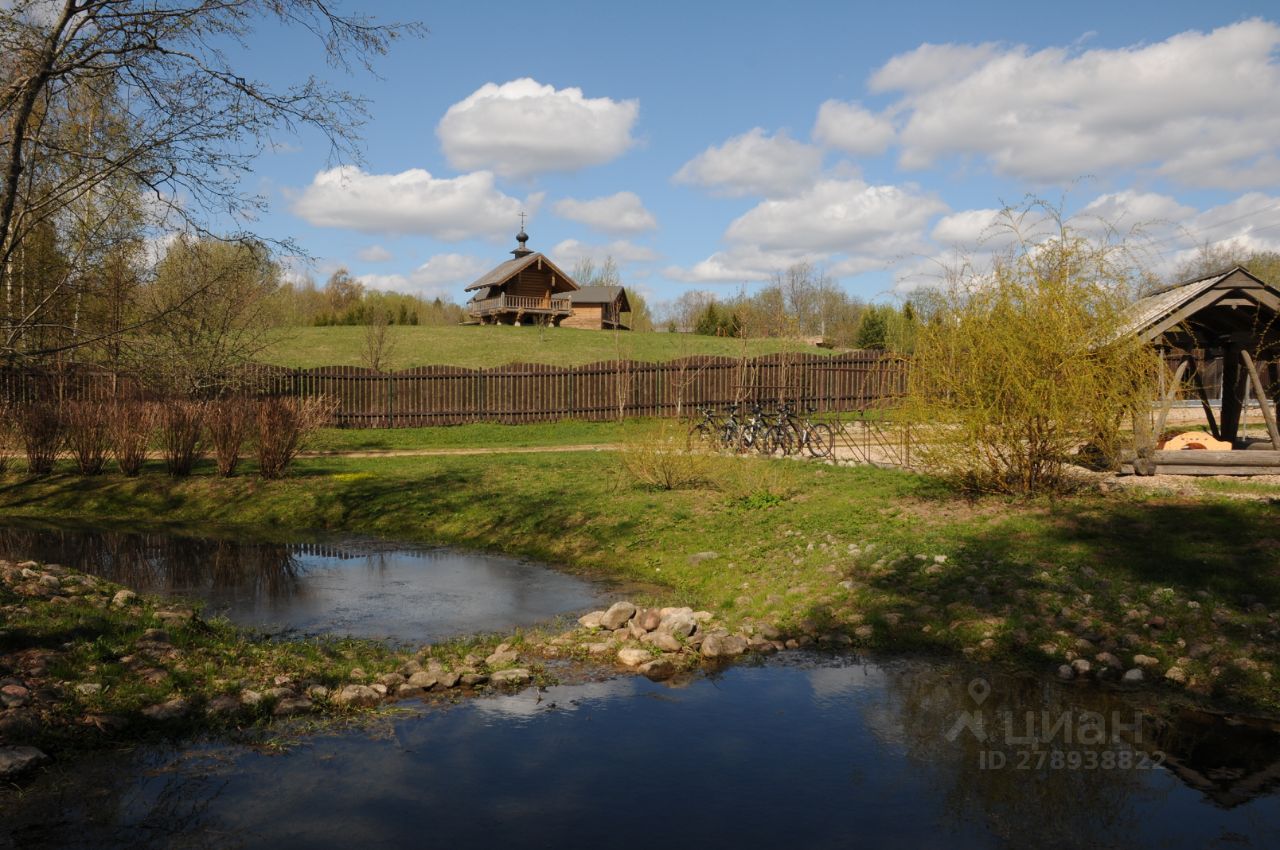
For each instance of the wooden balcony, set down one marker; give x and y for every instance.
(554, 306)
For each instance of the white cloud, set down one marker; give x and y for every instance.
(374, 254)
(444, 276)
(847, 216)
(411, 202)
(966, 228)
(622, 213)
(739, 264)
(1197, 107)
(754, 164)
(570, 251)
(851, 128)
(522, 128)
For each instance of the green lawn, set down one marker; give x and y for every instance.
(888, 556)
(484, 435)
(495, 345)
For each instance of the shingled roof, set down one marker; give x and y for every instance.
(1211, 306)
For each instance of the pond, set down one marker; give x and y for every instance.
(801, 751)
(343, 586)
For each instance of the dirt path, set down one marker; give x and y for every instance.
(487, 450)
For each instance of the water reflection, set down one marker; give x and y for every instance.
(785, 754)
(354, 587)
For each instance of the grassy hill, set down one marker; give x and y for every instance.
(478, 346)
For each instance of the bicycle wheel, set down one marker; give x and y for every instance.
(820, 440)
(701, 438)
(783, 441)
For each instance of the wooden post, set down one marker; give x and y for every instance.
(1268, 415)
(1234, 381)
(1203, 393)
(1169, 397)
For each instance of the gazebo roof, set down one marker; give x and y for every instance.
(1207, 311)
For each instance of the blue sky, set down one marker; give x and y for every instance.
(707, 145)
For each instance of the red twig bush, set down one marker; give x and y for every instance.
(133, 423)
(230, 421)
(182, 435)
(88, 435)
(42, 427)
(283, 425)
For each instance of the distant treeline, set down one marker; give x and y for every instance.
(343, 300)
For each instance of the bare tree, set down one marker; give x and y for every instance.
(105, 102)
(379, 344)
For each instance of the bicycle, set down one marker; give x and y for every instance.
(707, 433)
(815, 437)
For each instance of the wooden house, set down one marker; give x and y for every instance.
(531, 290)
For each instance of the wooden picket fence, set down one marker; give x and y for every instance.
(530, 392)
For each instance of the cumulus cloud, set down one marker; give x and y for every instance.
(621, 213)
(444, 276)
(851, 128)
(848, 216)
(740, 264)
(374, 254)
(522, 127)
(1197, 107)
(411, 202)
(570, 251)
(754, 164)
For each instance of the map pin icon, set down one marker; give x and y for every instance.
(979, 690)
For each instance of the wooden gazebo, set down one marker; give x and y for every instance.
(1232, 315)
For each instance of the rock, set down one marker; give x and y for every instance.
(169, 710)
(662, 640)
(1134, 676)
(703, 617)
(423, 680)
(657, 669)
(47, 580)
(123, 598)
(514, 676)
(224, 704)
(592, 620)
(635, 631)
(1146, 661)
(155, 636)
(175, 616)
(1176, 675)
(470, 680)
(14, 696)
(633, 656)
(380, 689)
(599, 648)
(278, 693)
(449, 680)
(250, 698)
(717, 646)
(649, 619)
(699, 557)
(15, 760)
(863, 632)
(759, 644)
(678, 623)
(504, 654)
(617, 615)
(88, 689)
(356, 695)
(391, 680)
(318, 692)
(1081, 666)
(292, 705)
(1157, 622)
(1106, 659)
(1066, 672)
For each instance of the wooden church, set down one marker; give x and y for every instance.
(532, 290)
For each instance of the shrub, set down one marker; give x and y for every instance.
(660, 460)
(88, 434)
(42, 429)
(229, 422)
(132, 425)
(1016, 368)
(182, 435)
(283, 425)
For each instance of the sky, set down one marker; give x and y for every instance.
(709, 145)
